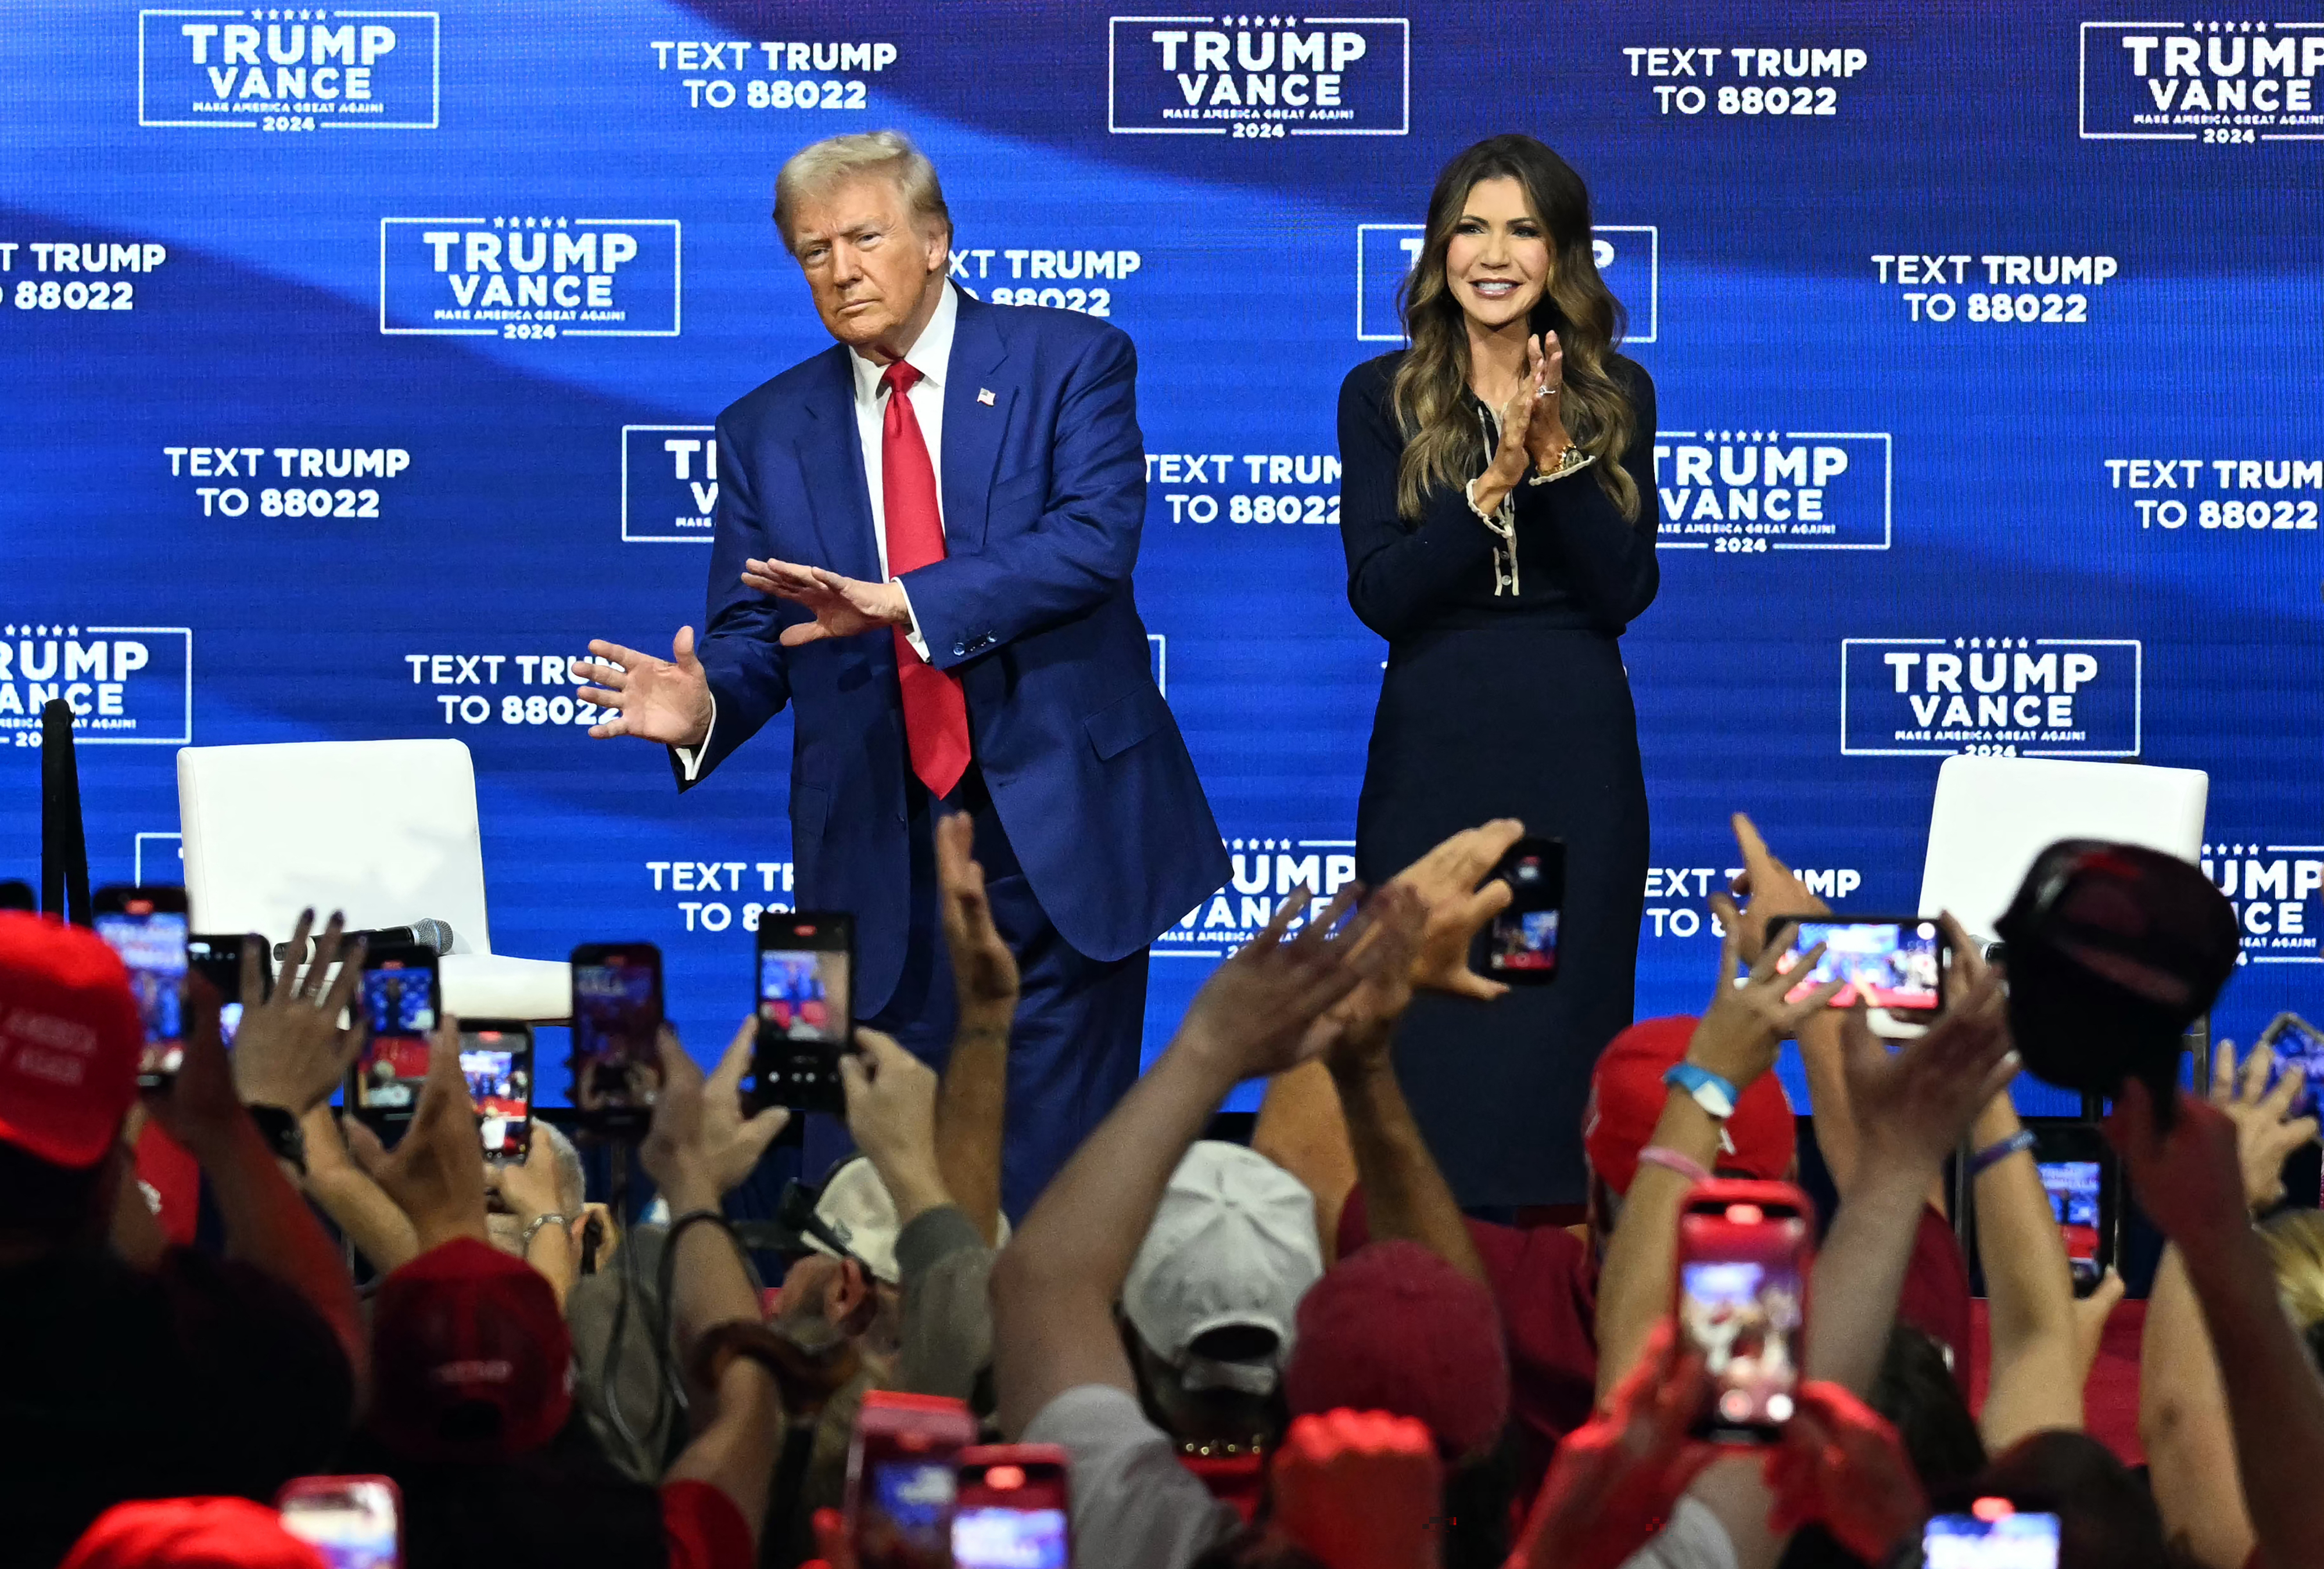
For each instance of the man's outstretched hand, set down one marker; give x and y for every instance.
(841, 606)
(664, 700)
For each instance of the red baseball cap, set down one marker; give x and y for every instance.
(1627, 1095)
(471, 1356)
(70, 1040)
(1395, 1328)
(206, 1532)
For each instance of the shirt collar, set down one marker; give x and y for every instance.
(930, 354)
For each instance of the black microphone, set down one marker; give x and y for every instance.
(432, 934)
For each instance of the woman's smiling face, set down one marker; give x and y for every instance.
(1497, 263)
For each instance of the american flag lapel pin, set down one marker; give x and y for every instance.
(984, 396)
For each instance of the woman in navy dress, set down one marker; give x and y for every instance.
(1499, 512)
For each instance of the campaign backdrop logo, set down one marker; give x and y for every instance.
(253, 69)
(1752, 491)
(2015, 697)
(1629, 257)
(1259, 78)
(530, 277)
(127, 686)
(2202, 82)
(1265, 870)
(2274, 889)
(669, 484)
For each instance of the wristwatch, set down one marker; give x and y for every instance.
(279, 1126)
(1714, 1094)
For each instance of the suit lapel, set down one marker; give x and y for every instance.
(973, 425)
(831, 461)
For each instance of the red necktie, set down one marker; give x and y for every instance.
(936, 713)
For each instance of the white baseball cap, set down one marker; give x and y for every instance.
(1232, 1245)
(856, 1205)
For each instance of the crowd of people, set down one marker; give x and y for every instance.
(1298, 1351)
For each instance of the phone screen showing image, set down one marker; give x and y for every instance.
(151, 944)
(2074, 1190)
(617, 1012)
(498, 1067)
(991, 1536)
(1898, 965)
(1742, 1303)
(1520, 943)
(352, 1525)
(906, 1513)
(803, 995)
(2296, 1042)
(398, 1000)
(2007, 1541)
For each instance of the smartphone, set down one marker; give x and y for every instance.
(2294, 1039)
(2084, 1182)
(496, 1060)
(1893, 963)
(217, 959)
(1996, 1536)
(901, 1484)
(355, 1522)
(616, 1035)
(149, 928)
(399, 1002)
(1520, 943)
(807, 1016)
(1744, 1253)
(1009, 1508)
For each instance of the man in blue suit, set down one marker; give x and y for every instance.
(924, 540)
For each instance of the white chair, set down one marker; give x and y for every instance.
(384, 830)
(1994, 815)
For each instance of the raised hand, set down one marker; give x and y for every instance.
(700, 1147)
(841, 606)
(662, 700)
(983, 970)
(1445, 882)
(435, 1176)
(1744, 1025)
(1358, 1029)
(891, 1115)
(1841, 1466)
(1912, 1106)
(1359, 1489)
(2188, 1178)
(1769, 885)
(291, 1051)
(2266, 1132)
(1259, 1011)
(1545, 436)
(1616, 1478)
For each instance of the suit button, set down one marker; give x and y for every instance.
(958, 649)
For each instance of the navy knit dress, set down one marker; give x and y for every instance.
(1506, 704)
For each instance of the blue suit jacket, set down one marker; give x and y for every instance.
(1044, 496)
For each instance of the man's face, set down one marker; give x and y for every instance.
(870, 268)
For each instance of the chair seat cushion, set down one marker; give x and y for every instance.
(489, 986)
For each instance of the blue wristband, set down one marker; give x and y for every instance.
(1993, 1155)
(1710, 1091)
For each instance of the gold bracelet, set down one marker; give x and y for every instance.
(1573, 460)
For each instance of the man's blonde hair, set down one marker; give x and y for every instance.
(819, 166)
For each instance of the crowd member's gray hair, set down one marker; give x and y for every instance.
(816, 167)
(572, 1182)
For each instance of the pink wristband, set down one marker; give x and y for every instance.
(1670, 1159)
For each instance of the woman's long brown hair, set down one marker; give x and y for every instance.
(1443, 443)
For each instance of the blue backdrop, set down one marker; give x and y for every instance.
(358, 365)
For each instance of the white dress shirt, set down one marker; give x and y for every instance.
(931, 355)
